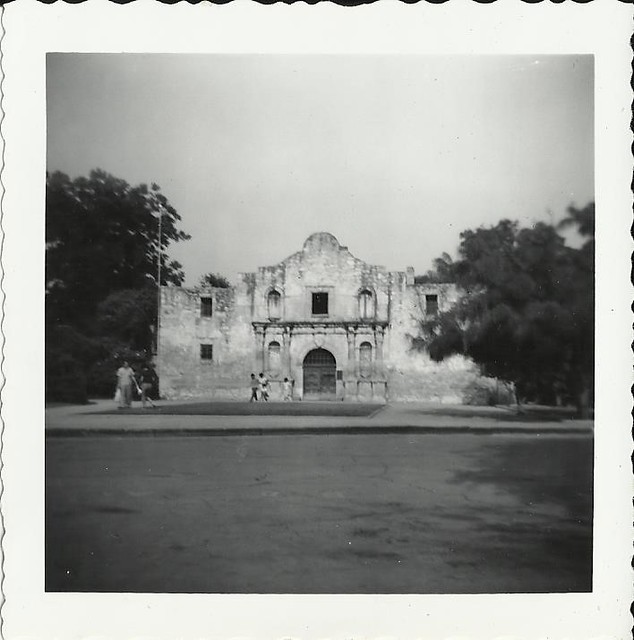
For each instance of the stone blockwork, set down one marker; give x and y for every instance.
(332, 324)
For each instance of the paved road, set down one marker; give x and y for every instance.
(379, 513)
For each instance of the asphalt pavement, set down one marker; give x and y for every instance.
(319, 513)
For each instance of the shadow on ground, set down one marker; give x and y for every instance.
(335, 409)
(528, 413)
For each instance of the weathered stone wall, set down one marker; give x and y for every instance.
(242, 328)
(412, 374)
(322, 265)
(181, 370)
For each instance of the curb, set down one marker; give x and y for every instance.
(328, 430)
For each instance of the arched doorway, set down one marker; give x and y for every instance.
(320, 374)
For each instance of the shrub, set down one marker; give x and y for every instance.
(487, 392)
(65, 379)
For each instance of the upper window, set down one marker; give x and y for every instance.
(206, 307)
(431, 304)
(274, 303)
(320, 303)
(366, 304)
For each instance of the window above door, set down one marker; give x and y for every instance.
(320, 303)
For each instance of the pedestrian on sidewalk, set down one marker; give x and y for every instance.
(126, 382)
(264, 387)
(287, 390)
(146, 382)
(255, 385)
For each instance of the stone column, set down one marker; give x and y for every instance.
(379, 388)
(352, 354)
(286, 363)
(260, 356)
(349, 381)
(378, 341)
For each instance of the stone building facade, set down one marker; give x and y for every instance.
(337, 327)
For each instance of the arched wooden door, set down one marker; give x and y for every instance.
(320, 374)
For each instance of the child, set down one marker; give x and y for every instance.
(255, 385)
(146, 381)
(264, 387)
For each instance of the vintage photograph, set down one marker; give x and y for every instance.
(319, 324)
(315, 321)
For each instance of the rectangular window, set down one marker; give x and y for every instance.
(431, 304)
(320, 304)
(206, 307)
(206, 351)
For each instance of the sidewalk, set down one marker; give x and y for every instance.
(393, 418)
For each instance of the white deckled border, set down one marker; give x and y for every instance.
(460, 26)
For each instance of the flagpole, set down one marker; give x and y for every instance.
(158, 279)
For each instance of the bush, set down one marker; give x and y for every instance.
(80, 367)
(67, 354)
(102, 375)
(65, 379)
(487, 392)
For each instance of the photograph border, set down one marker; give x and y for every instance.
(31, 30)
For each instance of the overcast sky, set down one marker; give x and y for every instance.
(394, 155)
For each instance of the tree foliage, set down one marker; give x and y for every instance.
(102, 252)
(214, 280)
(102, 236)
(129, 315)
(527, 313)
(442, 271)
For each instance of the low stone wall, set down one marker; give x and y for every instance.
(421, 379)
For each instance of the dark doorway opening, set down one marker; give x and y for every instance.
(320, 374)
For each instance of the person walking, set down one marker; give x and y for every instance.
(126, 382)
(287, 390)
(146, 382)
(255, 385)
(264, 387)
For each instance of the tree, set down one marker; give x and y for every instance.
(527, 311)
(214, 280)
(129, 315)
(581, 219)
(68, 353)
(102, 236)
(580, 284)
(102, 252)
(441, 272)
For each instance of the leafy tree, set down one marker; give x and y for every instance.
(129, 316)
(101, 373)
(441, 272)
(102, 236)
(527, 313)
(102, 251)
(582, 219)
(68, 353)
(214, 280)
(580, 283)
